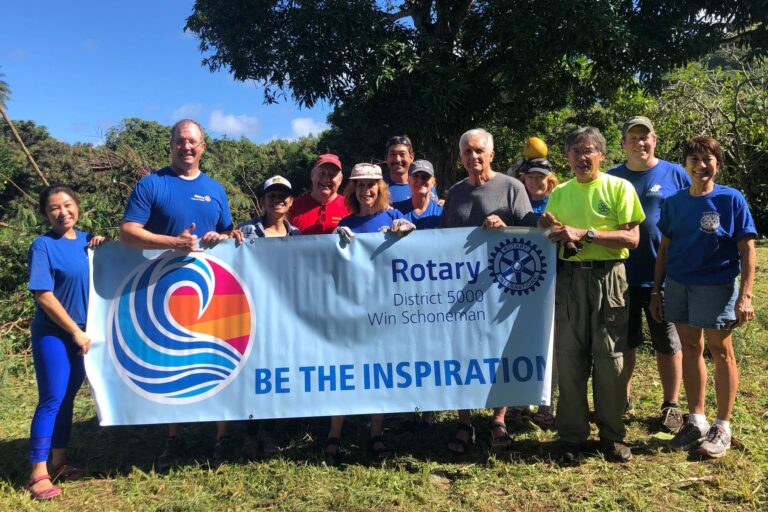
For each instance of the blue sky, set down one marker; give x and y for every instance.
(82, 66)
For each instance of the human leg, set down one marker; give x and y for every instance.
(52, 369)
(63, 425)
(465, 434)
(694, 369)
(572, 304)
(609, 323)
(720, 344)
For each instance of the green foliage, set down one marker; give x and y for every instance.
(435, 68)
(5, 91)
(729, 102)
(147, 140)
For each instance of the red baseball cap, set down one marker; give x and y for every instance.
(328, 158)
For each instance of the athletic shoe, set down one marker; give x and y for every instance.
(687, 437)
(615, 450)
(174, 446)
(717, 442)
(671, 419)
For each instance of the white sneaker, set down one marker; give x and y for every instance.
(717, 442)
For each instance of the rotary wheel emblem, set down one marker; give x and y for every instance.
(517, 266)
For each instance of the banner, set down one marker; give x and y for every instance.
(310, 326)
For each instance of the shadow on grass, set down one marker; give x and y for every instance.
(118, 451)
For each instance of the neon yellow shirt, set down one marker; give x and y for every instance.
(603, 204)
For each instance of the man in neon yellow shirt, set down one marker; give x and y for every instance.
(594, 217)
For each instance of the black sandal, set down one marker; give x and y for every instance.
(465, 446)
(332, 458)
(503, 440)
(382, 453)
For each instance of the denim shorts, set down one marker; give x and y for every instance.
(700, 305)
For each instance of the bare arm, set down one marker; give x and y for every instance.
(744, 309)
(134, 235)
(56, 312)
(626, 237)
(656, 304)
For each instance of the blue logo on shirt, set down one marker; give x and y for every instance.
(517, 266)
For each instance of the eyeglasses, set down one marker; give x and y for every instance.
(398, 140)
(181, 143)
(583, 151)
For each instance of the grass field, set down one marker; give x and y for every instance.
(423, 476)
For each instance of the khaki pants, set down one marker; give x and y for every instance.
(591, 318)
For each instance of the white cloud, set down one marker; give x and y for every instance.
(233, 125)
(305, 126)
(186, 111)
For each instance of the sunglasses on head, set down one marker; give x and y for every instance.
(398, 140)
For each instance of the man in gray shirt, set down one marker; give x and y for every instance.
(485, 198)
(491, 200)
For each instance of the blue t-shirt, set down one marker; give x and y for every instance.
(167, 204)
(401, 191)
(60, 265)
(429, 218)
(703, 233)
(538, 206)
(653, 186)
(370, 223)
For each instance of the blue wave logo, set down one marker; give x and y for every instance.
(180, 328)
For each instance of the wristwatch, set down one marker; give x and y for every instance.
(589, 236)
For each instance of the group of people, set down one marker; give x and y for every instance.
(647, 236)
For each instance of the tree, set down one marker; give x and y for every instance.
(729, 102)
(434, 68)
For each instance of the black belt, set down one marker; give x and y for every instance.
(588, 264)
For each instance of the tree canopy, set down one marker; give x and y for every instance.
(434, 68)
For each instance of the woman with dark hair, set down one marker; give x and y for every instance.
(707, 240)
(367, 197)
(59, 278)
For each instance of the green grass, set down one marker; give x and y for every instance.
(422, 477)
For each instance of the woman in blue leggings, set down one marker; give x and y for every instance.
(58, 276)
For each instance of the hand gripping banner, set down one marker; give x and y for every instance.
(312, 326)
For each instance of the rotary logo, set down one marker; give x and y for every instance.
(517, 266)
(180, 328)
(709, 222)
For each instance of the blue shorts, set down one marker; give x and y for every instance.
(700, 305)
